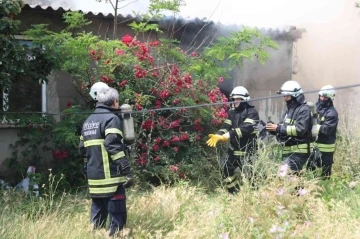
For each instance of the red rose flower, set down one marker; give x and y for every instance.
(198, 128)
(175, 139)
(155, 147)
(158, 104)
(122, 83)
(197, 122)
(107, 79)
(143, 146)
(164, 94)
(138, 107)
(184, 137)
(176, 101)
(155, 74)
(58, 154)
(174, 168)
(139, 73)
(127, 39)
(188, 78)
(119, 52)
(143, 159)
(175, 123)
(177, 89)
(68, 105)
(157, 158)
(148, 124)
(166, 143)
(158, 140)
(154, 43)
(92, 53)
(175, 71)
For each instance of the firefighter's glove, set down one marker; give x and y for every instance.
(130, 181)
(215, 138)
(123, 166)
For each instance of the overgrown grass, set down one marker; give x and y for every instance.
(184, 211)
(276, 208)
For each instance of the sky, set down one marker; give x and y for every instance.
(259, 13)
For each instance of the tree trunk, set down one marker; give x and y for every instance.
(115, 18)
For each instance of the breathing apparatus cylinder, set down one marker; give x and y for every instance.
(314, 129)
(128, 124)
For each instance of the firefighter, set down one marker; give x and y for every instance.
(327, 125)
(239, 129)
(107, 167)
(294, 129)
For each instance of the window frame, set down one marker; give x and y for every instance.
(4, 123)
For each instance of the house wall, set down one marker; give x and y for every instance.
(328, 53)
(7, 136)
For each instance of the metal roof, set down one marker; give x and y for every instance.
(61, 9)
(64, 6)
(133, 10)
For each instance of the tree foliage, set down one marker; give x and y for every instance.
(18, 60)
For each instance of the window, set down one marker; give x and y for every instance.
(25, 94)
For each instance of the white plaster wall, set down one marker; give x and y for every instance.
(329, 53)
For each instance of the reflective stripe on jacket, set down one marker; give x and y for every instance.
(325, 148)
(299, 148)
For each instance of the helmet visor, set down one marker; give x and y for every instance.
(285, 93)
(327, 95)
(237, 97)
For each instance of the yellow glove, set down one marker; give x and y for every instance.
(214, 138)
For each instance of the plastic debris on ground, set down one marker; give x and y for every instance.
(28, 184)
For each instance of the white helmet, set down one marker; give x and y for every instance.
(327, 91)
(291, 88)
(96, 87)
(240, 92)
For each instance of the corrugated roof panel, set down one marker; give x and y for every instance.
(58, 6)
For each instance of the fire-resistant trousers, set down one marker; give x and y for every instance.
(232, 167)
(296, 161)
(114, 206)
(325, 162)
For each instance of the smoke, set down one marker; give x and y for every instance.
(328, 54)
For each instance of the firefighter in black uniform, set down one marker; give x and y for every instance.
(239, 128)
(327, 125)
(294, 129)
(107, 167)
